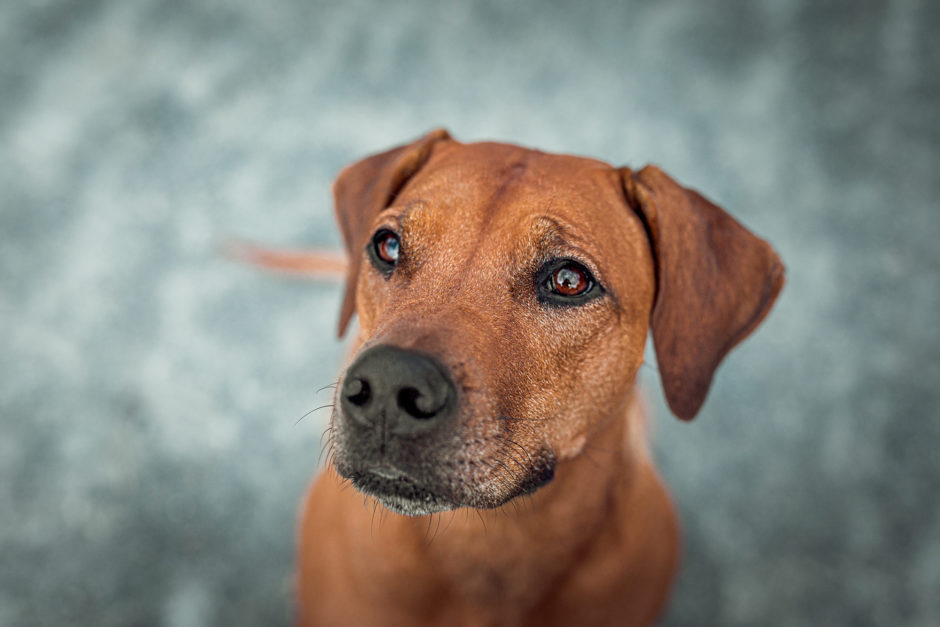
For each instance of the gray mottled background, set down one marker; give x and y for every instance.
(150, 464)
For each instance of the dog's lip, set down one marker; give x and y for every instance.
(387, 471)
(382, 476)
(398, 490)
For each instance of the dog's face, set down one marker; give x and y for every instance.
(504, 298)
(527, 283)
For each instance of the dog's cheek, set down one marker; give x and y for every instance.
(371, 297)
(592, 369)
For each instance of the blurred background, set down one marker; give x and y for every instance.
(151, 458)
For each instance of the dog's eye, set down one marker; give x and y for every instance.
(385, 250)
(566, 282)
(570, 280)
(387, 247)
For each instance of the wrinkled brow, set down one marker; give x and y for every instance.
(418, 219)
(546, 233)
(548, 238)
(414, 210)
(541, 241)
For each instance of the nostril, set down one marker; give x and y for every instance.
(416, 404)
(358, 392)
(397, 393)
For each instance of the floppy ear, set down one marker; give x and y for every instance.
(364, 189)
(715, 282)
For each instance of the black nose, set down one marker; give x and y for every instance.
(410, 391)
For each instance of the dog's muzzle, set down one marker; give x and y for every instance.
(397, 407)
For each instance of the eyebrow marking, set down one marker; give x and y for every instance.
(548, 238)
(549, 235)
(417, 218)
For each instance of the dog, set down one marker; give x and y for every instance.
(489, 461)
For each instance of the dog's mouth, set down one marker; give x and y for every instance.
(399, 492)
(410, 495)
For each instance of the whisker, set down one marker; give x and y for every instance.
(513, 456)
(493, 468)
(519, 446)
(506, 468)
(327, 430)
(453, 515)
(480, 515)
(328, 385)
(375, 506)
(323, 448)
(313, 410)
(329, 462)
(438, 527)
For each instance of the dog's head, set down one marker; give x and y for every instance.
(504, 297)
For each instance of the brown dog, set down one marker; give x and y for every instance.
(489, 413)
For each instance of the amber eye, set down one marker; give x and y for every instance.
(569, 280)
(566, 282)
(384, 250)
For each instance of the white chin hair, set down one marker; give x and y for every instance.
(409, 507)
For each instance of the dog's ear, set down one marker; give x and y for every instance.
(364, 189)
(715, 282)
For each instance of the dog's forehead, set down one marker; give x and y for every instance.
(486, 182)
(514, 193)
(486, 168)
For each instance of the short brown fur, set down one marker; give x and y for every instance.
(597, 545)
